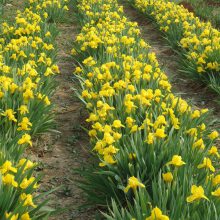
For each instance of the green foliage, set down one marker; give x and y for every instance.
(139, 130)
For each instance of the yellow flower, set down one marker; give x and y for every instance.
(199, 143)
(47, 34)
(197, 194)
(117, 136)
(167, 177)
(216, 180)
(196, 114)
(203, 111)
(148, 68)
(160, 133)
(6, 167)
(200, 69)
(160, 121)
(117, 124)
(24, 124)
(89, 61)
(10, 114)
(133, 183)
(213, 135)
(45, 15)
(1, 94)
(156, 214)
(13, 217)
(108, 159)
(28, 200)
(66, 8)
(110, 150)
(202, 127)
(207, 163)
(25, 139)
(214, 151)
(9, 179)
(28, 94)
(25, 216)
(78, 70)
(92, 117)
(73, 52)
(92, 133)
(192, 132)
(134, 128)
(46, 100)
(27, 182)
(150, 138)
(28, 164)
(108, 138)
(216, 192)
(176, 161)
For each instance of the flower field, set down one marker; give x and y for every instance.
(145, 153)
(27, 71)
(197, 42)
(157, 154)
(206, 10)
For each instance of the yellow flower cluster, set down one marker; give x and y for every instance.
(200, 42)
(27, 71)
(139, 128)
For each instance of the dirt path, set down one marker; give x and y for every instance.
(195, 93)
(60, 153)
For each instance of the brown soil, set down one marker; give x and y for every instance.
(10, 9)
(212, 3)
(187, 5)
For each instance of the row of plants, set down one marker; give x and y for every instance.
(206, 10)
(197, 42)
(27, 70)
(157, 157)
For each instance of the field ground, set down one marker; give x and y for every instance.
(59, 153)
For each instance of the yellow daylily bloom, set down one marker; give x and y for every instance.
(117, 124)
(216, 192)
(24, 124)
(133, 183)
(214, 151)
(25, 216)
(25, 139)
(10, 114)
(197, 194)
(6, 167)
(9, 179)
(216, 180)
(176, 161)
(207, 163)
(213, 135)
(156, 214)
(167, 177)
